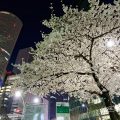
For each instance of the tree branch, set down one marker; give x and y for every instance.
(106, 33)
(93, 92)
(91, 46)
(57, 75)
(81, 55)
(66, 73)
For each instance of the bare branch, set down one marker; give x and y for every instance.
(102, 35)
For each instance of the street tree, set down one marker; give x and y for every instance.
(81, 56)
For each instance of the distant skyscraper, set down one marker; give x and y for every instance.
(10, 27)
(24, 55)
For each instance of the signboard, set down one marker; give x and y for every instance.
(62, 111)
(62, 107)
(10, 27)
(34, 112)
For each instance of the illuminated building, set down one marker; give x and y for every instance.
(10, 27)
(5, 98)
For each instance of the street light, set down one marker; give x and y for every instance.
(83, 105)
(18, 94)
(36, 100)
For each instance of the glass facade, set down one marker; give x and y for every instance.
(10, 27)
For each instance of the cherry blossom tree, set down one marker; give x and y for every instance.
(81, 56)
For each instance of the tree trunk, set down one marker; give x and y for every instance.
(110, 106)
(107, 99)
(105, 94)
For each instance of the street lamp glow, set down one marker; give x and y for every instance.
(18, 94)
(36, 100)
(83, 105)
(110, 43)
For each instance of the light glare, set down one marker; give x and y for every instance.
(18, 94)
(36, 100)
(110, 43)
(83, 105)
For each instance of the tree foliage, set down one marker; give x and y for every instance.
(81, 56)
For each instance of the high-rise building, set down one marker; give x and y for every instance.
(5, 98)
(23, 55)
(10, 27)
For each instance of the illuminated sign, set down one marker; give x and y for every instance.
(10, 27)
(62, 111)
